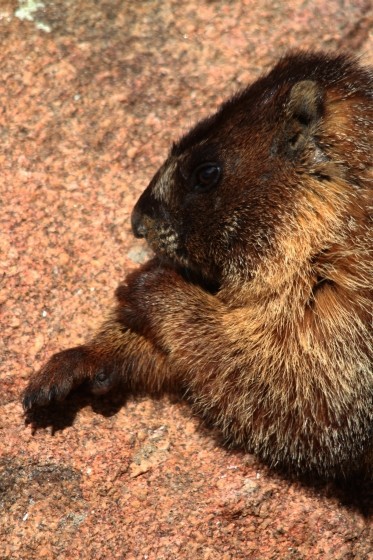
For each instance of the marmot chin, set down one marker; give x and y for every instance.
(258, 302)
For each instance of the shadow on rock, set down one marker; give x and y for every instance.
(355, 493)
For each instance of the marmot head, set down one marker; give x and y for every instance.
(277, 161)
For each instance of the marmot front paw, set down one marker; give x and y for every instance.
(61, 374)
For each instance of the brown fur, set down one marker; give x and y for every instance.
(259, 300)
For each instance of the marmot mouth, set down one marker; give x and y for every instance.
(210, 285)
(191, 274)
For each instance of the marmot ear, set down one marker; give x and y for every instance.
(304, 110)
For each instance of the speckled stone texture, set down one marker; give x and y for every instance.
(91, 96)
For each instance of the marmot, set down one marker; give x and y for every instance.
(258, 302)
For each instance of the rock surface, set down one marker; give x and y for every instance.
(91, 96)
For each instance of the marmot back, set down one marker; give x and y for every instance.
(259, 300)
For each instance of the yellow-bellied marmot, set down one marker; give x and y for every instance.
(259, 300)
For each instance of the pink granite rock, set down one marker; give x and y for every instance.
(91, 95)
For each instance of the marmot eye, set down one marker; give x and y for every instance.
(101, 377)
(206, 176)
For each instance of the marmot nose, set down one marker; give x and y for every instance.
(137, 224)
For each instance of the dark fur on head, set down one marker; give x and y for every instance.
(268, 140)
